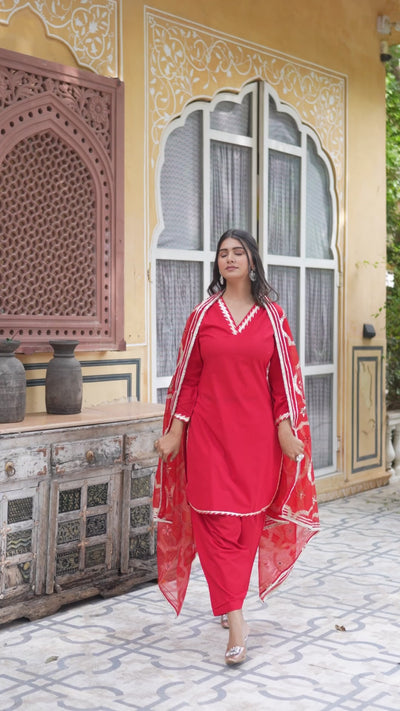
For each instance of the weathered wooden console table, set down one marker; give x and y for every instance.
(76, 517)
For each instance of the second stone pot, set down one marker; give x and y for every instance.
(64, 380)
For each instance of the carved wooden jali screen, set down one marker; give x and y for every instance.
(61, 207)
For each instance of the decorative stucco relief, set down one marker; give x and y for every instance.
(89, 29)
(187, 61)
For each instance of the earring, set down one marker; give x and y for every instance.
(221, 279)
(252, 275)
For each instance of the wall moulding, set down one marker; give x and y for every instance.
(367, 445)
(187, 61)
(90, 30)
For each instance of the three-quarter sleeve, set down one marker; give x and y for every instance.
(188, 394)
(277, 387)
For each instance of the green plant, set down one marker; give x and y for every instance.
(393, 227)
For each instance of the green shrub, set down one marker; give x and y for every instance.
(393, 227)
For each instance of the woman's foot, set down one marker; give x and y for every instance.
(235, 655)
(225, 622)
(238, 634)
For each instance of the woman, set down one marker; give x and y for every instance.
(235, 472)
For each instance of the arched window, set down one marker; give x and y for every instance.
(245, 160)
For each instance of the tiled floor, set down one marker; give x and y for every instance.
(327, 640)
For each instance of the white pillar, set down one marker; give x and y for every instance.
(396, 447)
(389, 447)
(393, 442)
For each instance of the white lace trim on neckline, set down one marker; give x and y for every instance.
(236, 329)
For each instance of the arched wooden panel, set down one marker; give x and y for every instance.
(61, 212)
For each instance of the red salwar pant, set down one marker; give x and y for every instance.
(227, 546)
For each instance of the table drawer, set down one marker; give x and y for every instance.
(86, 454)
(140, 442)
(24, 463)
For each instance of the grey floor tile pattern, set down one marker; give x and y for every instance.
(327, 640)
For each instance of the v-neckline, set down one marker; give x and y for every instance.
(237, 328)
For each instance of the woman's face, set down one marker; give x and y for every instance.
(233, 260)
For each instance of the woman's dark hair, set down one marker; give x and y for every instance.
(260, 288)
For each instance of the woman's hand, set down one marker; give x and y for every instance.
(167, 447)
(290, 445)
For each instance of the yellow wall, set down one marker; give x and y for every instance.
(336, 42)
(26, 33)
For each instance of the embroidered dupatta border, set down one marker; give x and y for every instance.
(284, 359)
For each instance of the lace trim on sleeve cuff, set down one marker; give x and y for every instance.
(184, 418)
(285, 416)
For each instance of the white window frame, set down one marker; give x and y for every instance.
(205, 256)
(301, 262)
(261, 144)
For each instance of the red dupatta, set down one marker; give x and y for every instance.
(292, 518)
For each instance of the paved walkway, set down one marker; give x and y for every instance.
(327, 640)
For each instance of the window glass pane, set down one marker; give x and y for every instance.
(162, 395)
(179, 289)
(319, 392)
(181, 186)
(319, 316)
(281, 126)
(319, 206)
(285, 280)
(211, 271)
(232, 118)
(230, 189)
(284, 204)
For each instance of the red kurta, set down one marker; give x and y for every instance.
(233, 375)
(291, 519)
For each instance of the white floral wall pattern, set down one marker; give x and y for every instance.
(89, 29)
(187, 61)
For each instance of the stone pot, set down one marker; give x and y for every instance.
(12, 383)
(63, 380)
